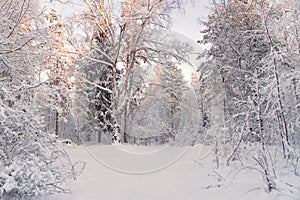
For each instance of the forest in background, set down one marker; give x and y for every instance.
(110, 75)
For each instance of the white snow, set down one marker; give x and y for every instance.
(115, 172)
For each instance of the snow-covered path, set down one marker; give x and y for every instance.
(120, 172)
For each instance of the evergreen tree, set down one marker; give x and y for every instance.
(173, 84)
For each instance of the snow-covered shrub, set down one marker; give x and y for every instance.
(32, 163)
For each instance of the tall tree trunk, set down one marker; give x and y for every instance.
(56, 123)
(281, 117)
(56, 84)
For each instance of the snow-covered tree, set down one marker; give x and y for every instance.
(173, 84)
(31, 161)
(254, 48)
(121, 42)
(237, 49)
(58, 72)
(281, 65)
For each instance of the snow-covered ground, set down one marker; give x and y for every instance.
(126, 172)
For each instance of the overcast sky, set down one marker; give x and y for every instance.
(188, 23)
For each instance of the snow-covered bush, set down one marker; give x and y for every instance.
(32, 163)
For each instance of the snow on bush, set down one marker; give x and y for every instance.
(32, 163)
